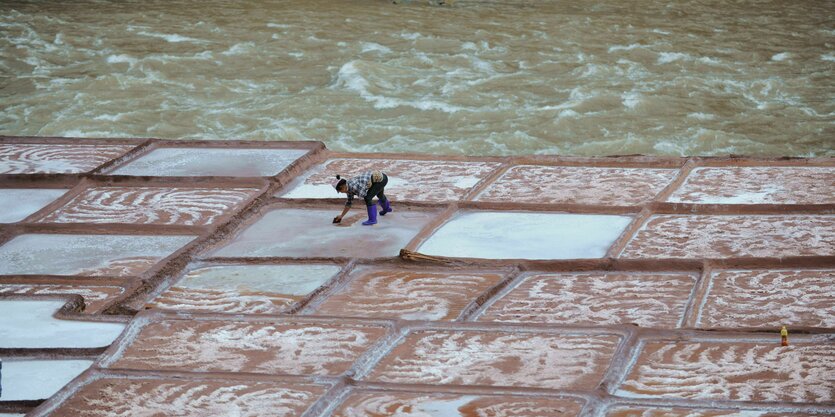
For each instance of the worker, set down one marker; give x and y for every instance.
(367, 185)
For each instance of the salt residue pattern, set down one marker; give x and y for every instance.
(578, 185)
(18, 158)
(407, 295)
(498, 359)
(195, 162)
(150, 205)
(638, 411)
(109, 397)
(648, 300)
(364, 404)
(437, 181)
(728, 236)
(800, 372)
(260, 347)
(244, 289)
(96, 297)
(769, 299)
(758, 185)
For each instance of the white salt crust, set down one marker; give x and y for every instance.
(38, 379)
(17, 204)
(282, 279)
(30, 324)
(186, 162)
(525, 235)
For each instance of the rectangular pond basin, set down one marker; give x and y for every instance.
(17, 204)
(226, 162)
(153, 396)
(578, 185)
(525, 235)
(309, 233)
(31, 324)
(151, 205)
(95, 255)
(37, 158)
(29, 380)
(436, 181)
(758, 185)
(408, 295)
(244, 289)
(372, 403)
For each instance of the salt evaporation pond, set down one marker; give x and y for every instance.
(30, 324)
(309, 233)
(60, 254)
(17, 204)
(525, 235)
(190, 162)
(26, 380)
(249, 289)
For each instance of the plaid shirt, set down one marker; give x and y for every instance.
(359, 185)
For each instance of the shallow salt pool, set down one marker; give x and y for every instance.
(38, 379)
(18, 203)
(30, 324)
(525, 235)
(188, 162)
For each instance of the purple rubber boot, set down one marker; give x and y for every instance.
(372, 215)
(386, 205)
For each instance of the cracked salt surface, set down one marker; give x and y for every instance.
(38, 379)
(19, 203)
(63, 254)
(525, 235)
(30, 324)
(211, 162)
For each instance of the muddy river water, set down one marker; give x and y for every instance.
(595, 77)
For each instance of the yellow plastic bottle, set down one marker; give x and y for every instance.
(784, 336)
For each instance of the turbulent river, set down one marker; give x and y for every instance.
(592, 77)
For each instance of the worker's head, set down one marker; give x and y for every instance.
(341, 185)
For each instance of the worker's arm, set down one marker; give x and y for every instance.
(338, 218)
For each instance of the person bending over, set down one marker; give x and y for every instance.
(368, 185)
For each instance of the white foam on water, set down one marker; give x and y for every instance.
(631, 99)
(121, 59)
(701, 116)
(172, 38)
(374, 47)
(352, 77)
(525, 235)
(782, 56)
(18, 203)
(24, 380)
(283, 279)
(240, 49)
(30, 324)
(828, 57)
(616, 48)
(668, 57)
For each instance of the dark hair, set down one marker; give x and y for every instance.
(341, 182)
